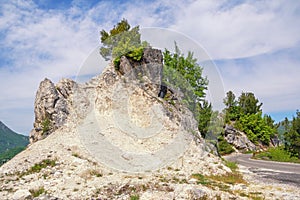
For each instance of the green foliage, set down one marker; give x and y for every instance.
(185, 74)
(292, 135)
(256, 128)
(9, 154)
(204, 117)
(46, 125)
(277, 154)
(224, 147)
(122, 41)
(232, 110)
(249, 104)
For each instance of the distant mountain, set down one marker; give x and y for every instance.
(10, 139)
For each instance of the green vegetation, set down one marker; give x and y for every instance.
(43, 164)
(256, 128)
(232, 165)
(246, 115)
(292, 135)
(134, 197)
(38, 192)
(9, 139)
(122, 41)
(36, 168)
(11, 143)
(277, 154)
(201, 179)
(222, 182)
(183, 73)
(9, 154)
(46, 125)
(204, 117)
(224, 147)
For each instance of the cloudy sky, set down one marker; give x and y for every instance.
(255, 45)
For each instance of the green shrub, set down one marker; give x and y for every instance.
(122, 41)
(224, 147)
(46, 125)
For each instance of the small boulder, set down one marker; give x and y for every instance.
(22, 194)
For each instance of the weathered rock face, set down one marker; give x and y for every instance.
(238, 139)
(151, 64)
(51, 107)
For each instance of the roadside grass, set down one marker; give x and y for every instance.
(231, 165)
(276, 154)
(223, 182)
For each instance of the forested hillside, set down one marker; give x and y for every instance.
(11, 143)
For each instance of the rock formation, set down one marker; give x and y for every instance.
(114, 138)
(238, 139)
(51, 107)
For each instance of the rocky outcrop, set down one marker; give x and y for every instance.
(51, 107)
(150, 56)
(238, 139)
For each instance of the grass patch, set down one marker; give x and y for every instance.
(231, 165)
(201, 179)
(276, 154)
(135, 197)
(229, 178)
(38, 192)
(223, 181)
(36, 168)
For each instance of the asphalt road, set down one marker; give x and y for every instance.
(288, 173)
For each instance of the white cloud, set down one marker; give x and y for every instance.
(241, 30)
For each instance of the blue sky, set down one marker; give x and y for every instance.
(254, 44)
